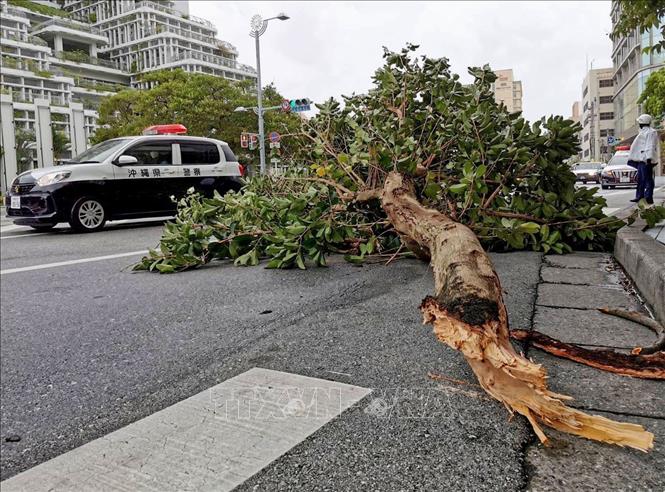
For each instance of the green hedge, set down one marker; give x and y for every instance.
(36, 7)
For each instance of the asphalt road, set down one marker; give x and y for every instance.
(88, 347)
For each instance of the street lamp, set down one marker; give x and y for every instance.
(258, 26)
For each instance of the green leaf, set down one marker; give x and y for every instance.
(529, 227)
(458, 188)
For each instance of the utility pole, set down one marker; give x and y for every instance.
(258, 26)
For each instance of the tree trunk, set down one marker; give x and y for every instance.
(468, 314)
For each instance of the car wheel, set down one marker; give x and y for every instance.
(43, 227)
(583, 182)
(604, 187)
(88, 215)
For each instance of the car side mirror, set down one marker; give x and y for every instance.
(126, 160)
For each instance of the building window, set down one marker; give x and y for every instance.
(586, 137)
(586, 153)
(605, 99)
(605, 83)
(607, 116)
(586, 91)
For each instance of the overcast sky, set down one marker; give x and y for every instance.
(332, 48)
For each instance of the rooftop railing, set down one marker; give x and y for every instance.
(160, 28)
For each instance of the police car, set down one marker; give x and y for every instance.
(123, 178)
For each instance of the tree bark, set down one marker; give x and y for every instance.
(468, 314)
(648, 366)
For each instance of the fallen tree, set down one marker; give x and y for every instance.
(425, 164)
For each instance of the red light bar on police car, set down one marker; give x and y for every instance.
(172, 129)
(622, 147)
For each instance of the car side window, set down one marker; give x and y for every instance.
(152, 154)
(199, 153)
(228, 154)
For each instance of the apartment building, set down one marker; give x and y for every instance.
(632, 67)
(597, 116)
(60, 59)
(507, 90)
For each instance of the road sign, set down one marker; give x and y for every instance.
(275, 145)
(274, 137)
(244, 140)
(286, 105)
(610, 140)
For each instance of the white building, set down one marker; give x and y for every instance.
(507, 90)
(597, 114)
(58, 60)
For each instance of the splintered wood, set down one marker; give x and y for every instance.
(468, 314)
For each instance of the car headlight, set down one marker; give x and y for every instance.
(54, 177)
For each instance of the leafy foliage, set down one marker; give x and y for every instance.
(290, 220)
(203, 103)
(653, 96)
(466, 155)
(641, 15)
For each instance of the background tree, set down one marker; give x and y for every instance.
(642, 15)
(25, 145)
(60, 143)
(203, 103)
(653, 96)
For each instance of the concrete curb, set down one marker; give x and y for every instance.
(643, 258)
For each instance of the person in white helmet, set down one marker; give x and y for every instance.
(643, 154)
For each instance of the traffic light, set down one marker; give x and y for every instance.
(298, 105)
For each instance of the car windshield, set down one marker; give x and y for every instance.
(99, 152)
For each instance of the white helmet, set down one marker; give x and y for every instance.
(644, 119)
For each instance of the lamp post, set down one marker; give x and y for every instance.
(258, 26)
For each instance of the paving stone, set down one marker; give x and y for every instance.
(590, 327)
(577, 260)
(601, 390)
(572, 463)
(584, 297)
(581, 276)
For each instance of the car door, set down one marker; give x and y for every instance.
(145, 188)
(200, 164)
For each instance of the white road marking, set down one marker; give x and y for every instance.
(7, 228)
(70, 262)
(24, 235)
(214, 440)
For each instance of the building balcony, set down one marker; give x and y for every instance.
(161, 28)
(214, 60)
(24, 38)
(173, 12)
(69, 29)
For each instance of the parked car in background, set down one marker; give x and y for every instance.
(618, 172)
(588, 171)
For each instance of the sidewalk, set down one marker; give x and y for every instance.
(571, 289)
